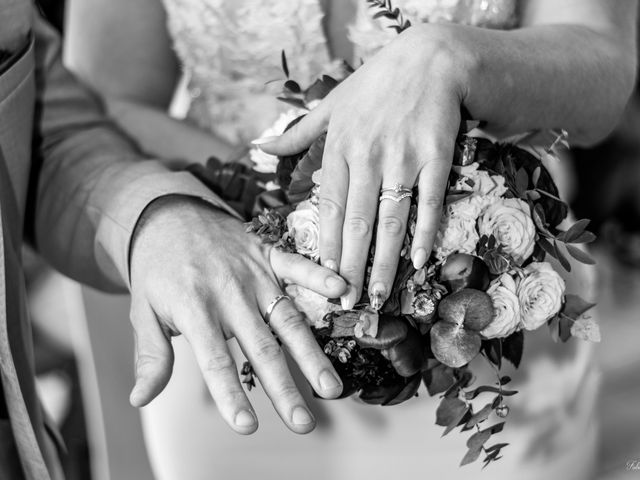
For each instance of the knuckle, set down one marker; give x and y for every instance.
(330, 209)
(431, 201)
(392, 225)
(351, 270)
(288, 391)
(358, 227)
(268, 350)
(385, 268)
(217, 363)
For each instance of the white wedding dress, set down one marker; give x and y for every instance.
(230, 50)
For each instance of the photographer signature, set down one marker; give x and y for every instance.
(633, 465)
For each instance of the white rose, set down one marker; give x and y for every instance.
(484, 184)
(457, 234)
(304, 225)
(313, 305)
(263, 162)
(509, 221)
(506, 307)
(541, 293)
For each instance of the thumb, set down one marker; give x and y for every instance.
(154, 355)
(299, 137)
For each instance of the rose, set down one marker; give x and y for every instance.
(264, 162)
(484, 184)
(541, 293)
(457, 233)
(506, 306)
(509, 221)
(304, 224)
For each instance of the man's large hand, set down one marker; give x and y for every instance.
(194, 271)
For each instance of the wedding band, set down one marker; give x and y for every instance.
(397, 193)
(272, 305)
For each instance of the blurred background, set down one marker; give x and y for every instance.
(84, 360)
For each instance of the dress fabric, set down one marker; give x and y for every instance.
(230, 50)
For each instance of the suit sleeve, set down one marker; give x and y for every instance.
(89, 184)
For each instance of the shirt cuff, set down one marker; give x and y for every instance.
(148, 181)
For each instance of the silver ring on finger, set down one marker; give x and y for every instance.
(272, 305)
(397, 193)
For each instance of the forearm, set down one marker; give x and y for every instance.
(89, 183)
(159, 135)
(541, 77)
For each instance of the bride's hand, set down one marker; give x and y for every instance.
(393, 121)
(194, 271)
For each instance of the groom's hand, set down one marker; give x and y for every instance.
(194, 271)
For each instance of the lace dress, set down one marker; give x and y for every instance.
(230, 51)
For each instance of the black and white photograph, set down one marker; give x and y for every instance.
(319, 239)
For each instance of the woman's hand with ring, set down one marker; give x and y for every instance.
(392, 122)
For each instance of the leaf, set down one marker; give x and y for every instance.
(452, 345)
(561, 258)
(285, 67)
(296, 102)
(292, 86)
(438, 379)
(505, 380)
(576, 229)
(320, 88)
(580, 255)
(301, 182)
(512, 348)
(546, 246)
(449, 412)
(471, 456)
(585, 237)
(575, 306)
(539, 217)
(493, 351)
(564, 327)
(475, 443)
(497, 446)
(480, 416)
(586, 329)
(522, 182)
(470, 395)
(535, 177)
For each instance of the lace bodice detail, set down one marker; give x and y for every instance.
(230, 50)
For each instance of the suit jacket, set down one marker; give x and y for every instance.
(77, 187)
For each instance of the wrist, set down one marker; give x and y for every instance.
(172, 213)
(447, 53)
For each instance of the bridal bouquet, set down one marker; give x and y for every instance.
(486, 284)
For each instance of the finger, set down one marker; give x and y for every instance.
(432, 182)
(302, 134)
(391, 230)
(268, 361)
(153, 357)
(296, 269)
(434, 175)
(332, 201)
(218, 369)
(360, 214)
(294, 332)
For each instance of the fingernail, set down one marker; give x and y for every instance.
(263, 140)
(134, 397)
(334, 282)
(245, 418)
(331, 265)
(329, 382)
(301, 416)
(378, 296)
(349, 299)
(419, 258)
